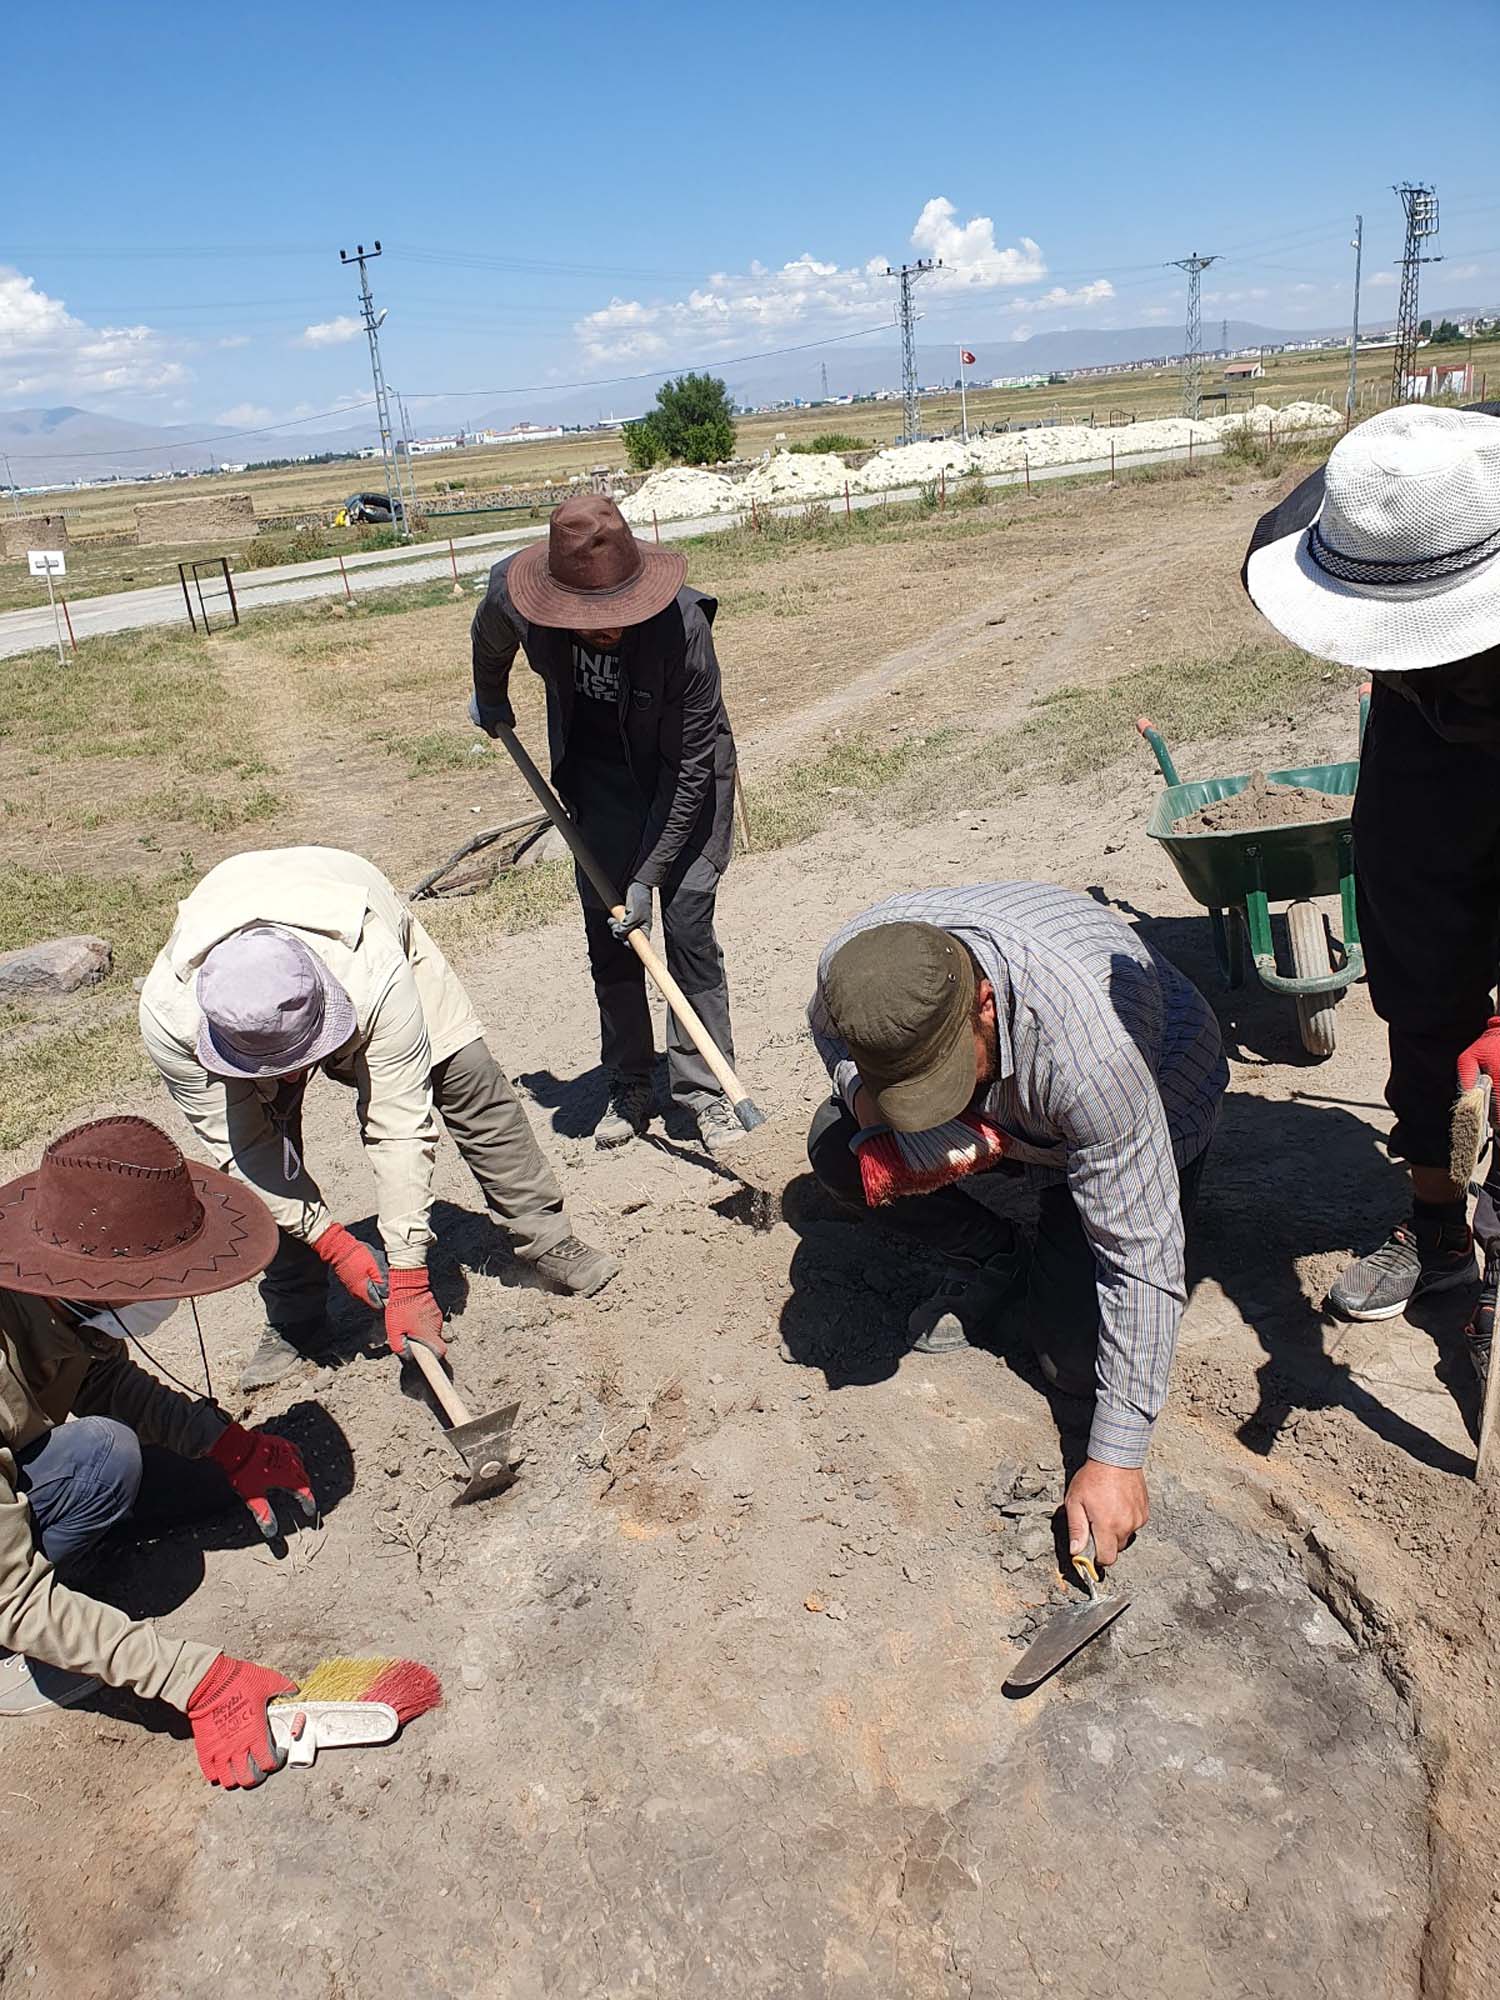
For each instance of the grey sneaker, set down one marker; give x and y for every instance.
(29, 1686)
(577, 1267)
(631, 1100)
(272, 1361)
(1479, 1334)
(1415, 1259)
(719, 1129)
(966, 1303)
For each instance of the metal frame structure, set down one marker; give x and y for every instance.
(372, 321)
(1421, 208)
(206, 562)
(1192, 353)
(911, 402)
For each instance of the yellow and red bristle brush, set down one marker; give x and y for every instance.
(404, 1685)
(892, 1164)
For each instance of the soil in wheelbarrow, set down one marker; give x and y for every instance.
(1261, 804)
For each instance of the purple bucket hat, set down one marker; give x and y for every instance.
(269, 1005)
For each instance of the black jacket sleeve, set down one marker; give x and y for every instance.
(700, 707)
(495, 645)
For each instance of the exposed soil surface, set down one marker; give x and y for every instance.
(1261, 804)
(656, 1769)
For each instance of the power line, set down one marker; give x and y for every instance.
(372, 320)
(1420, 205)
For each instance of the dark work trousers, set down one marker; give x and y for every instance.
(488, 1124)
(1427, 846)
(612, 820)
(1062, 1297)
(86, 1476)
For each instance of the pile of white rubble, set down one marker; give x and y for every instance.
(683, 494)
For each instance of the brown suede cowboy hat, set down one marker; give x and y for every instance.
(115, 1213)
(591, 573)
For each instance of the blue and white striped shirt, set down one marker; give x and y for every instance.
(1111, 1072)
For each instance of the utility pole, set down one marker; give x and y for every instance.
(1192, 359)
(1421, 206)
(372, 321)
(907, 319)
(825, 381)
(15, 498)
(1357, 245)
(409, 491)
(1224, 335)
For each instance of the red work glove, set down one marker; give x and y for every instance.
(231, 1729)
(256, 1464)
(413, 1314)
(1482, 1055)
(352, 1264)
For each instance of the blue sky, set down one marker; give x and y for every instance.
(583, 193)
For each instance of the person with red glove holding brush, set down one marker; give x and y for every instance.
(1020, 1025)
(1387, 560)
(96, 1247)
(304, 959)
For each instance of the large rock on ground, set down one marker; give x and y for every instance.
(61, 965)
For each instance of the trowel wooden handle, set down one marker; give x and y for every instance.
(438, 1382)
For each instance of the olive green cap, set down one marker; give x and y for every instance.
(902, 997)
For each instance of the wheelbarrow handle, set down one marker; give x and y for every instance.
(438, 1382)
(1148, 729)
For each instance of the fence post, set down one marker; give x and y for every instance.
(754, 515)
(1026, 462)
(69, 617)
(1270, 433)
(1190, 451)
(348, 593)
(942, 486)
(453, 559)
(655, 525)
(1111, 460)
(848, 515)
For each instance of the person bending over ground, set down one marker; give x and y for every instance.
(301, 959)
(643, 758)
(1101, 1066)
(97, 1246)
(1388, 560)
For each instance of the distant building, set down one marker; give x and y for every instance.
(1243, 371)
(1018, 381)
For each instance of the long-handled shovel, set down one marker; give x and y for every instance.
(763, 1200)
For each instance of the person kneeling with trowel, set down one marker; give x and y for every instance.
(96, 1247)
(305, 958)
(1019, 1024)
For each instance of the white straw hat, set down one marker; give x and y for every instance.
(1400, 566)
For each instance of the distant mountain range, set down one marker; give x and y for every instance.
(47, 447)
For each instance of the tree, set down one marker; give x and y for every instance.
(692, 424)
(1446, 334)
(1424, 328)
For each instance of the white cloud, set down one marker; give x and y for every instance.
(730, 309)
(330, 332)
(1381, 278)
(233, 340)
(45, 349)
(243, 415)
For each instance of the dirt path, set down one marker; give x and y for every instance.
(657, 1770)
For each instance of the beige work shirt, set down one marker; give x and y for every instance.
(411, 1012)
(51, 1369)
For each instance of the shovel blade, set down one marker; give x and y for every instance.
(482, 1446)
(1060, 1639)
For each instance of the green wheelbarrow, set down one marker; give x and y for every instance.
(1236, 875)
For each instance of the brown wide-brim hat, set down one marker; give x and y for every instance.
(591, 573)
(115, 1213)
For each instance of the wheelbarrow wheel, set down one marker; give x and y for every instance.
(1311, 960)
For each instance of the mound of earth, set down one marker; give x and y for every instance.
(1262, 804)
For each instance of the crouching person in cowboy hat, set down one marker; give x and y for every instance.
(98, 1245)
(1388, 560)
(302, 959)
(644, 760)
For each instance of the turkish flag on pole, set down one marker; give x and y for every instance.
(966, 357)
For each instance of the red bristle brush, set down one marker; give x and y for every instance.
(902, 1163)
(404, 1685)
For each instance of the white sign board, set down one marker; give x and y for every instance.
(46, 562)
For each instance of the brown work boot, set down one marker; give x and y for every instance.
(576, 1267)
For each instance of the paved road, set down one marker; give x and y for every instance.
(131, 610)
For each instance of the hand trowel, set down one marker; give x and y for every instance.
(1061, 1637)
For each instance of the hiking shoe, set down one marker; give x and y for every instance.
(576, 1267)
(1415, 1259)
(631, 1099)
(966, 1303)
(719, 1129)
(272, 1362)
(1480, 1331)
